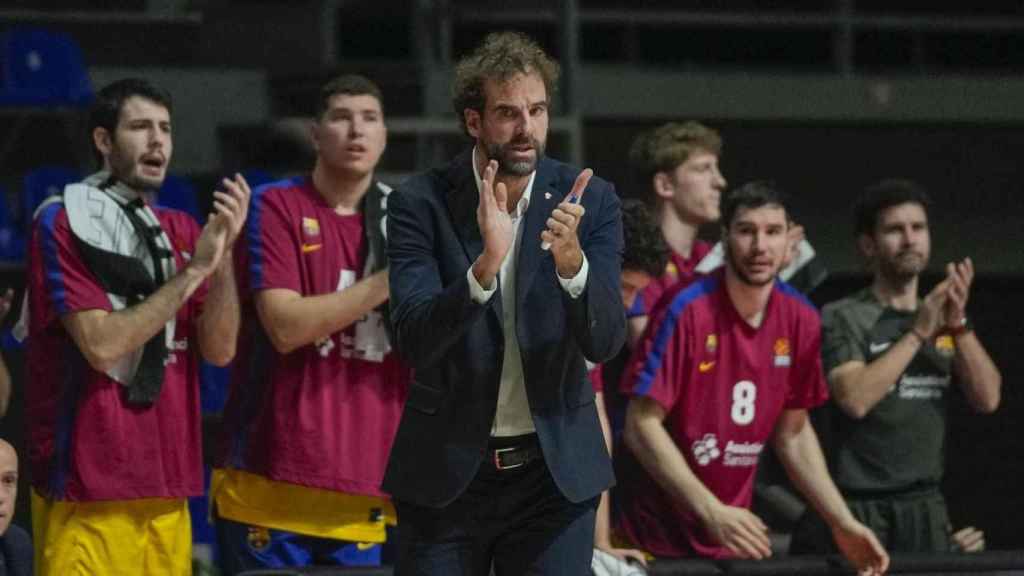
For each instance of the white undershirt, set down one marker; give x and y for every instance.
(513, 416)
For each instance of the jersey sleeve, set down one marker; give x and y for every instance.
(63, 277)
(657, 367)
(271, 244)
(808, 388)
(841, 342)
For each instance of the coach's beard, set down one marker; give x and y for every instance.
(503, 154)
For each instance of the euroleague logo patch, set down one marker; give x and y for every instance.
(781, 350)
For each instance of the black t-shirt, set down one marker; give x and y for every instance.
(899, 444)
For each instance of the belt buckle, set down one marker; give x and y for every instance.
(497, 458)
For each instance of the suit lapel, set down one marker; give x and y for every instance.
(463, 198)
(543, 200)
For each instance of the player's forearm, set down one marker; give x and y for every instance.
(858, 391)
(602, 524)
(602, 417)
(294, 320)
(218, 325)
(658, 454)
(801, 456)
(979, 377)
(106, 337)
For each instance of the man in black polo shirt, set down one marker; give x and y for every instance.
(890, 357)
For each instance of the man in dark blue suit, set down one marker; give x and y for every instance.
(504, 278)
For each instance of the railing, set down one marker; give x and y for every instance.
(998, 563)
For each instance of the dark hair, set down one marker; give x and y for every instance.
(500, 56)
(669, 145)
(753, 195)
(645, 248)
(350, 85)
(883, 195)
(106, 110)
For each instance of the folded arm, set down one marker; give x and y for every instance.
(105, 337)
(292, 320)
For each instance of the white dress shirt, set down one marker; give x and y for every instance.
(513, 416)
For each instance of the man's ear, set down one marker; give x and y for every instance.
(101, 139)
(662, 184)
(472, 119)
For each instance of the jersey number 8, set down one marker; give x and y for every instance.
(744, 393)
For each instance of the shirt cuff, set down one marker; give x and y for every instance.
(575, 285)
(478, 293)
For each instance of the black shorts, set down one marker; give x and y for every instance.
(913, 521)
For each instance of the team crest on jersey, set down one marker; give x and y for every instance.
(258, 538)
(711, 343)
(671, 270)
(781, 349)
(311, 226)
(944, 345)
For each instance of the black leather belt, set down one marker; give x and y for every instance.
(512, 453)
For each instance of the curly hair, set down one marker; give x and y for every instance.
(669, 145)
(501, 56)
(645, 248)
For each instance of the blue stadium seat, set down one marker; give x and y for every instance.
(178, 193)
(42, 68)
(40, 183)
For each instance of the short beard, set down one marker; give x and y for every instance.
(142, 186)
(894, 272)
(124, 172)
(742, 276)
(522, 168)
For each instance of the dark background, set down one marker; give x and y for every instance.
(967, 153)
